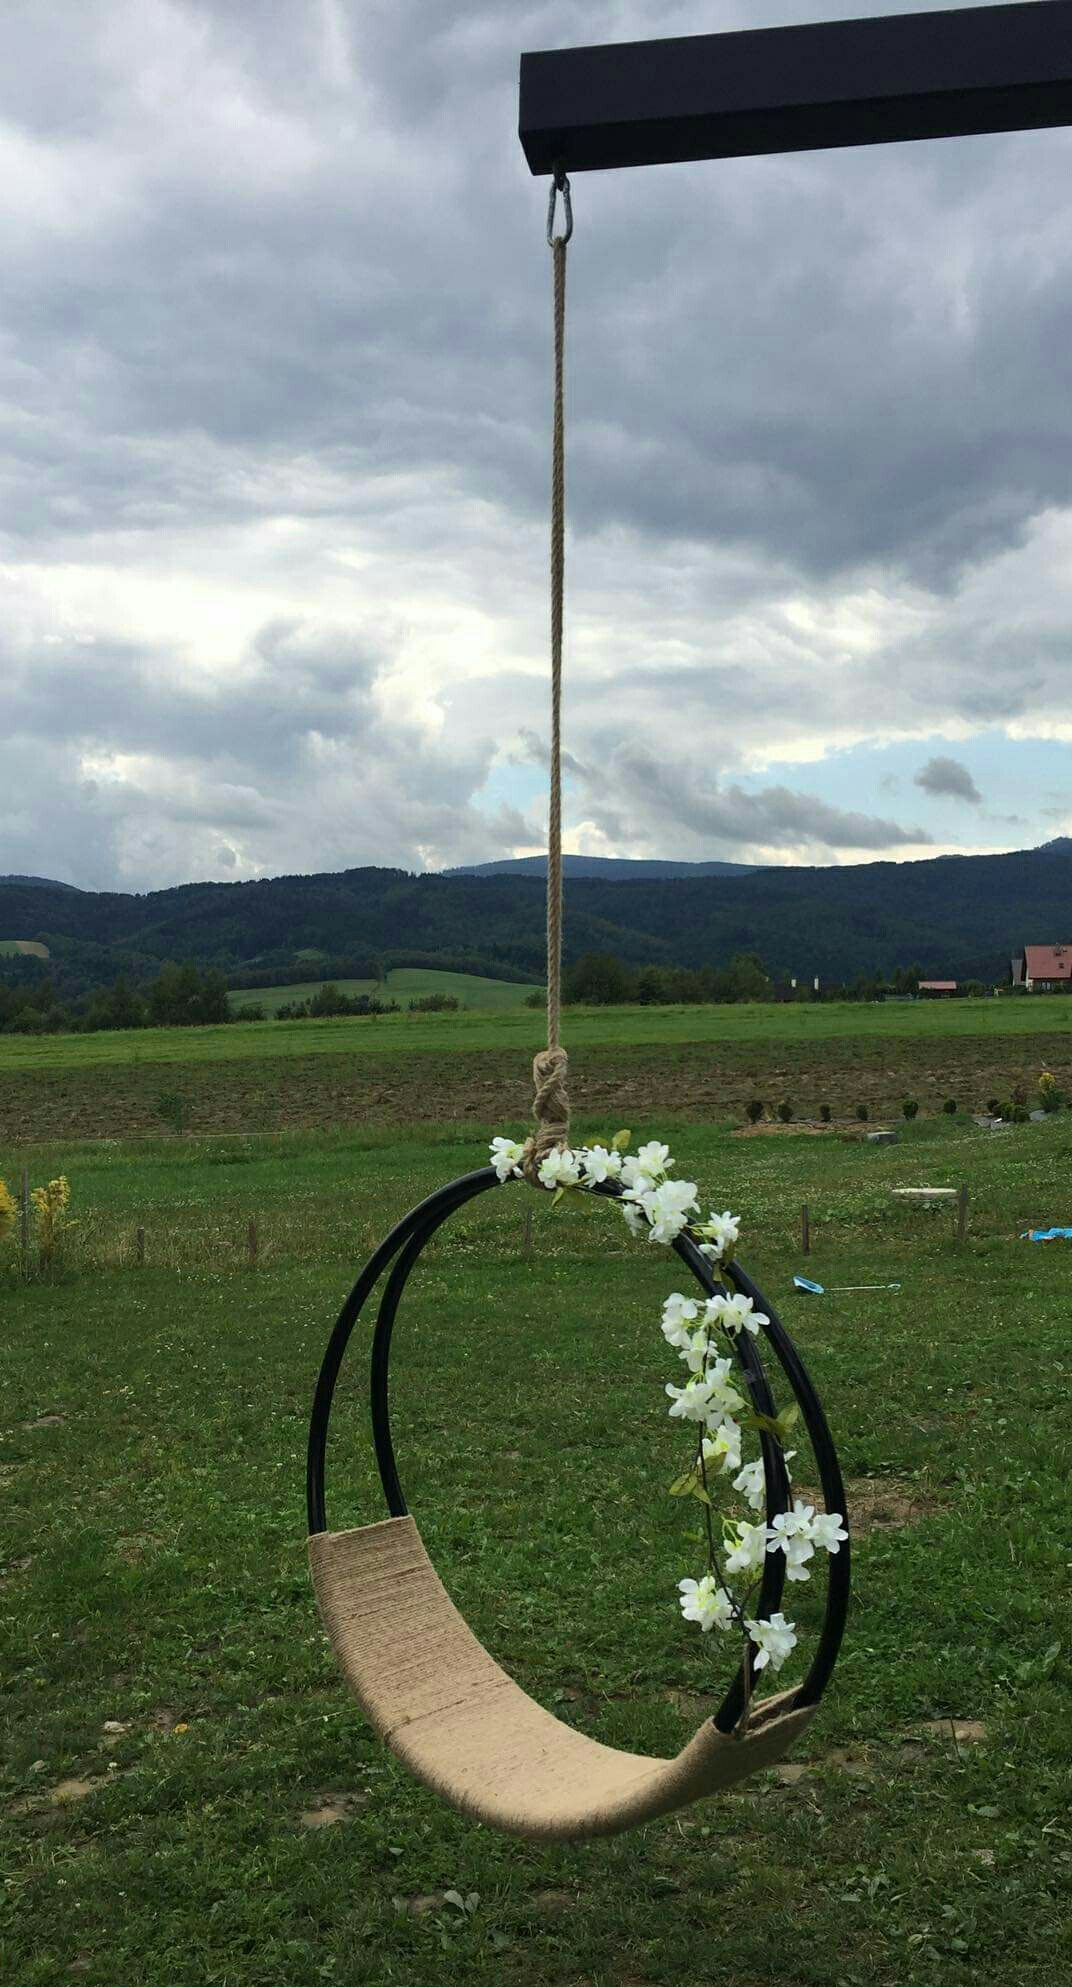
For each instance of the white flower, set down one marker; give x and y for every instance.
(695, 1350)
(654, 1159)
(748, 1546)
(600, 1165)
(506, 1157)
(560, 1169)
(797, 1554)
(793, 1524)
(724, 1447)
(706, 1602)
(735, 1314)
(723, 1394)
(722, 1231)
(667, 1208)
(774, 1639)
(679, 1315)
(752, 1483)
(793, 1532)
(692, 1402)
(827, 1529)
(634, 1217)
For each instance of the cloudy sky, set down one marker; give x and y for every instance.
(274, 377)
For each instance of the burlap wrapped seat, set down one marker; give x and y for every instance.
(468, 1731)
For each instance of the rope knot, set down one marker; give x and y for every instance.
(550, 1108)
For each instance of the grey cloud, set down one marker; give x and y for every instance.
(792, 358)
(948, 779)
(310, 324)
(670, 798)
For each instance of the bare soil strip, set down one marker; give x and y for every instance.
(700, 1081)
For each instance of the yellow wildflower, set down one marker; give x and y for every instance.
(8, 1211)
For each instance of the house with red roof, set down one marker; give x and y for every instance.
(1045, 969)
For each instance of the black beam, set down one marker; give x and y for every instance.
(937, 75)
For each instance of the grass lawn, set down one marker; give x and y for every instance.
(188, 1797)
(403, 983)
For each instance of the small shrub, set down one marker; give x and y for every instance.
(49, 1206)
(995, 1107)
(1049, 1095)
(950, 1107)
(824, 1113)
(173, 1109)
(754, 1111)
(8, 1211)
(785, 1111)
(1019, 1095)
(910, 1108)
(537, 998)
(435, 1003)
(862, 1113)
(1019, 1114)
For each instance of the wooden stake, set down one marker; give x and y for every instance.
(805, 1230)
(139, 1248)
(251, 1240)
(962, 1213)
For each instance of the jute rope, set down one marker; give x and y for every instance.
(550, 1106)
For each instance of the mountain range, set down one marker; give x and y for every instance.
(957, 916)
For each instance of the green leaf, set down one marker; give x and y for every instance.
(558, 1195)
(764, 1421)
(780, 1426)
(682, 1485)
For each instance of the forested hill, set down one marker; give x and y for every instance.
(956, 915)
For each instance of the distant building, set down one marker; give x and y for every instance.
(1046, 969)
(937, 989)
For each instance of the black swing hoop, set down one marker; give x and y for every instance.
(401, 1250)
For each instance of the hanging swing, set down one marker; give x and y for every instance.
(426, 1684)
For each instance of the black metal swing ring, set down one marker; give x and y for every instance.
(402, 1248)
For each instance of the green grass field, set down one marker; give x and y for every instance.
(403, 983)
(189, 1797)
(523, 1029)
(29, 947)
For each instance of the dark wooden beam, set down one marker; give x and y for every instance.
(935, 75)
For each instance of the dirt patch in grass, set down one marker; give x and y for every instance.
(778, 1130)
(879, 1504)
(327, 1809)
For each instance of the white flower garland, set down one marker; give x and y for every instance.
(662, 1209)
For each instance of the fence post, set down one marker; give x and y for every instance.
(805, 1230)
(24, 1221)
(962, 1213)
(139, 1248)
(251, 1243)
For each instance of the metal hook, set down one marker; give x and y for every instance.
(559, 184)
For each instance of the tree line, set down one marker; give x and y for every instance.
(602, 979)
(180, 996)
